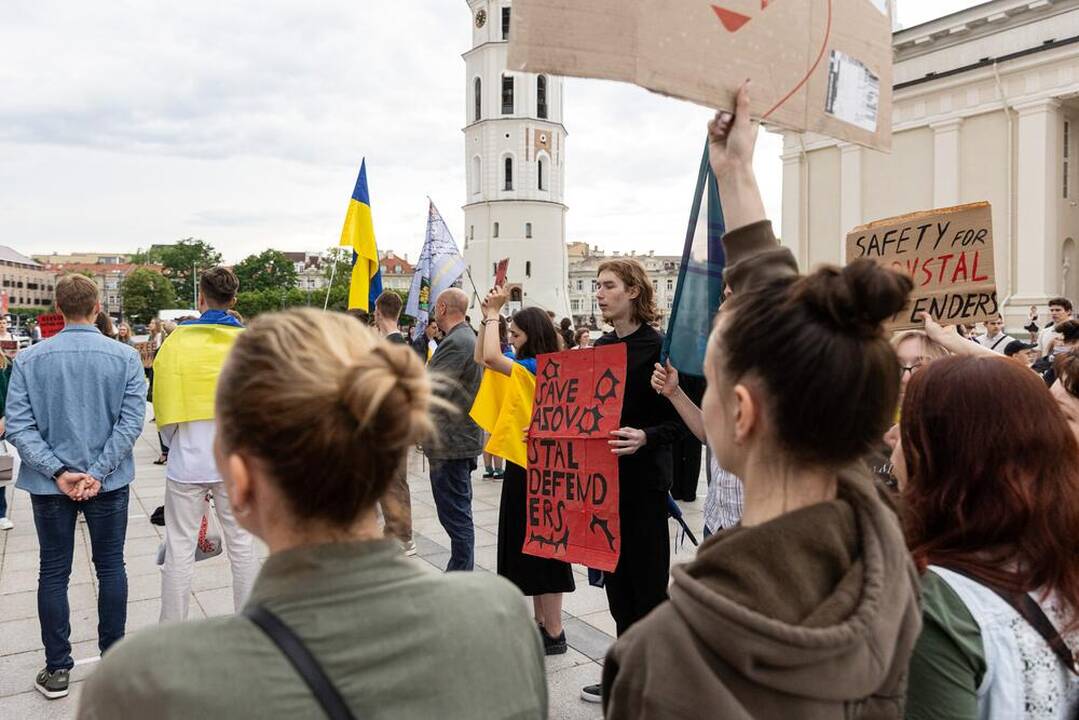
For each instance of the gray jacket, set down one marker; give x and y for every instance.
(458, 437)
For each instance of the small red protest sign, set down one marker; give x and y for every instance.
(50, 324)
(572, 511)
(500, 272)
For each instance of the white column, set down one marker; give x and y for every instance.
(791, 234)
(946, 162)
(1037, 201)
(850, 193)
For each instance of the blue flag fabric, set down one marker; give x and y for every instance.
(700, 279)
(439, 267)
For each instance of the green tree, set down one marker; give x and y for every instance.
(179, 261)
(268, 270)
(146, 292)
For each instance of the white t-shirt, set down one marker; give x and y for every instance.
(191, 452)
(997, 343)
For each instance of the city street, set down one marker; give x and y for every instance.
(589, 627)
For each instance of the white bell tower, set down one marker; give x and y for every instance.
(515, 155)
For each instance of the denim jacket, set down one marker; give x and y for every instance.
(76, 401)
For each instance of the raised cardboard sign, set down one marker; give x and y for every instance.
(818, 65)
(948, 253)
(572, 511)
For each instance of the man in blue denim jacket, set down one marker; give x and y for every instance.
(75, 408)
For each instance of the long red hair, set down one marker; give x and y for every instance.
(993, 477)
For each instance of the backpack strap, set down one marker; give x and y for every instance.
(1032, 613)
(306, 665)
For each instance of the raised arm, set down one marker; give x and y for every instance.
(731, 140)
(489, 344)
(951, 340)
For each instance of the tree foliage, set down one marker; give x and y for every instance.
(268, 270)
(146, 292)
(179, 261)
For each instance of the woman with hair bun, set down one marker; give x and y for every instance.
(314, 416)
(809, 607)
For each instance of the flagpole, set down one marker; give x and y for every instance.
(333, 271)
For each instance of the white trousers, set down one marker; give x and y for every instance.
(183, 519)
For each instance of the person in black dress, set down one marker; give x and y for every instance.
(531, 333)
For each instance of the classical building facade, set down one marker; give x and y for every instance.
(986, 108)
(515, 154)
(584, 263)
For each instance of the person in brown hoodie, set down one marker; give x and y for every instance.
(809, 608)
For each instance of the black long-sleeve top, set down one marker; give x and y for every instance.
(645, 409)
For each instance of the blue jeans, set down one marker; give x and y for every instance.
(3, 502)
(106, 519)
(451, 485)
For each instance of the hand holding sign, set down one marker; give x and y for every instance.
(731, 138)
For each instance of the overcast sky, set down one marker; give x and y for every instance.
(124, 124)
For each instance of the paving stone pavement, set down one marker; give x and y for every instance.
(589, 627)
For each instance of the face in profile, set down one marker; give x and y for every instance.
(518, 337)
(615, 301)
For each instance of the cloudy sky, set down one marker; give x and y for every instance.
(124, 124)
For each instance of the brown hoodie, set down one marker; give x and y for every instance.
(812, 615)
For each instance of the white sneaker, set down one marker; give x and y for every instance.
(410, 548)
(592, 693)
(6, 524)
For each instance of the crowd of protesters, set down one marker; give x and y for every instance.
(889, 519)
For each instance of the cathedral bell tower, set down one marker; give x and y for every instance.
(515, 154)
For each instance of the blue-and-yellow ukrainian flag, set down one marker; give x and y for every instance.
(359, 234)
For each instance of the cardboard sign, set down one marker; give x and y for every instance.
(50, 324)
(572, 511)
(948, 253)
(500, 272)
(819, 65)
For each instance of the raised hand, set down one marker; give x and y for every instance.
(731, 138)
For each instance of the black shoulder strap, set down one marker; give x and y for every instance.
(1033, 614)
(1000, 339)
(301, 658)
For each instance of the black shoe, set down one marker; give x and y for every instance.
(552, 645)
(592, 693)
(53, 684)
(498, 474)
(488, 473)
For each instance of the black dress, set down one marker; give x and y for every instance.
(532, 575)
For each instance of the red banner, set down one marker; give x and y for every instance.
(50, 324)
(572, 510)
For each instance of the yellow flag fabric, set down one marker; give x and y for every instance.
(186, 371)
(358, 233)
(503, 407)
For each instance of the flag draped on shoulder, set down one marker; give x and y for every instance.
(700, 278)
(503, 407)
(358, 233)
(186, 371)
(440, 266)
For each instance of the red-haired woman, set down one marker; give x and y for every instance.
(990, 477)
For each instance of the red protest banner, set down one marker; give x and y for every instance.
(572, 511)
(500, 272)
(50, 324)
